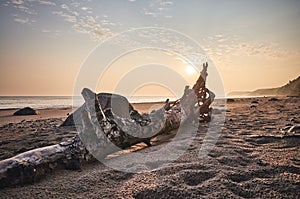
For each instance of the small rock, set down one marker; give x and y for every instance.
(288, 124)
(230, 100)
(261, 163)
(273, 99)
(254, 102)
(253, 106)
(26, 111)
(294, 120)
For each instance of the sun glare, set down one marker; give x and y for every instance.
(190, 70)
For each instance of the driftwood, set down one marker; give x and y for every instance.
(118, 103)
(32, 165)
(104, 132)
(116, 133)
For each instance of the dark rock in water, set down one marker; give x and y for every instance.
(254, 102)
(230, 100)
(273, 99)
(26, 111)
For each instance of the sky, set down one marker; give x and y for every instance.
(44, 45)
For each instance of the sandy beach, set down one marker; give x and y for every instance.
(230, 127)
(250, 160)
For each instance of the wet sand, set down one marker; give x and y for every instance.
(249, 160)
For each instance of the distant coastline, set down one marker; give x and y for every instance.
(292, 88)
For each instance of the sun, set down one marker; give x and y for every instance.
(190, 70)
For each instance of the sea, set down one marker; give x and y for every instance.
(43, 102)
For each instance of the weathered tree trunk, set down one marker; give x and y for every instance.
(32, 165)
(103, 132)
(104, 136)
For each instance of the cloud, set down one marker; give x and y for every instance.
(270, 50)
(158, 8)
(67, 17)
(223, 48)
(83, 21)
(75, 4)
(25, 9)
(85, 8)
(153, 14)
(89, 25)
(22, 20)
(170, 42)
(80, 16)
(65, 7)
(17, 2)
(165, 3)
(43, 2)
(77, 13)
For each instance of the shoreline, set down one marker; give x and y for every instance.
(142, 102)
(6, 115)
